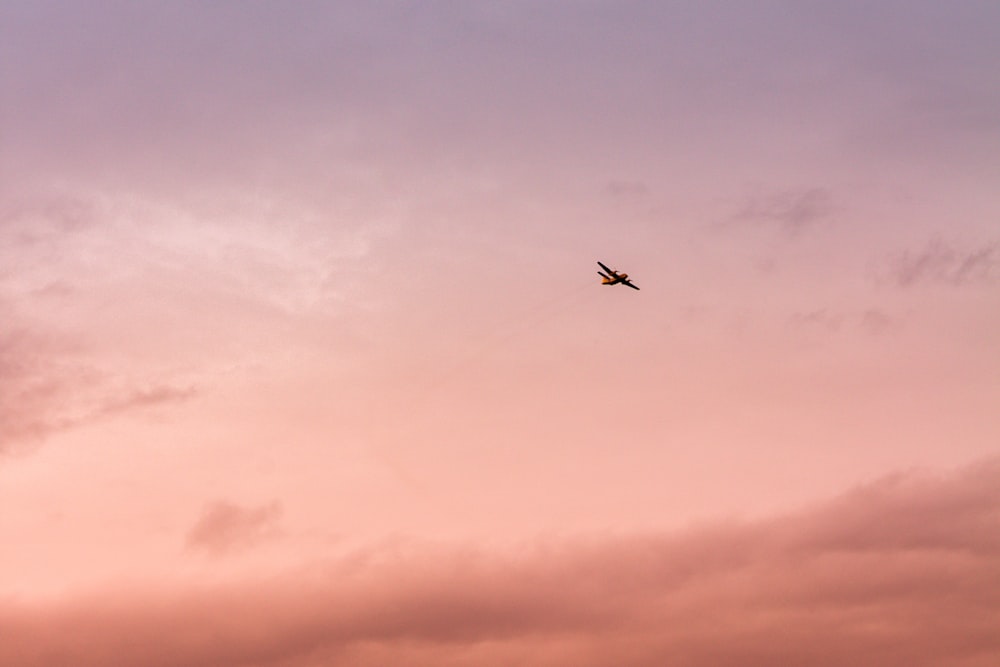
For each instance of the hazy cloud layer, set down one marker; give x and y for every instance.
(901, 572)
(104, 297)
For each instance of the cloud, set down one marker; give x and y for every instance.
(41, 406)
(60, 213)
(871, 321)
(821, 319)
(113, 302)
(791, 210)
(48, 386)
(877, 322)
(36, 235)
(900, 572)
(225, 527)
(942, 263)
(53, 378)
(624, 188)
(35, 382)
(143, 398)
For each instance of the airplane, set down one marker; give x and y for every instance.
(614, 278)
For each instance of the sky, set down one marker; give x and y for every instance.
(304, 359)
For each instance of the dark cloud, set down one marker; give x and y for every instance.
(942, 263)
(900, 572)
(225, 527)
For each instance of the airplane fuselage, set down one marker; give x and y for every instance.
(615, 278)
(612, 277)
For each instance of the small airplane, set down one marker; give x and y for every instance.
(614, 278)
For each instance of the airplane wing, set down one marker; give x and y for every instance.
(603, 275)
(606, 268)
(630, 284)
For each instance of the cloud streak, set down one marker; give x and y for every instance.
(900, 572)
(48, 387)
(939, 262)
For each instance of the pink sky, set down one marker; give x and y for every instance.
(304, 359)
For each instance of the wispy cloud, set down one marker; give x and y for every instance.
(821, 318)
(900, 572)
(59, 213)
(34, 387)
(627, 188)
(792, 211)
(873, 321)
(48, 386)
(878, 322)
(39, 407)
(940, 262)
(143, 398)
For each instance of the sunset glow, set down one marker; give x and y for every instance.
(304, 357)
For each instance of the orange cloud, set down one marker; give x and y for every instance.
(901, 572)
